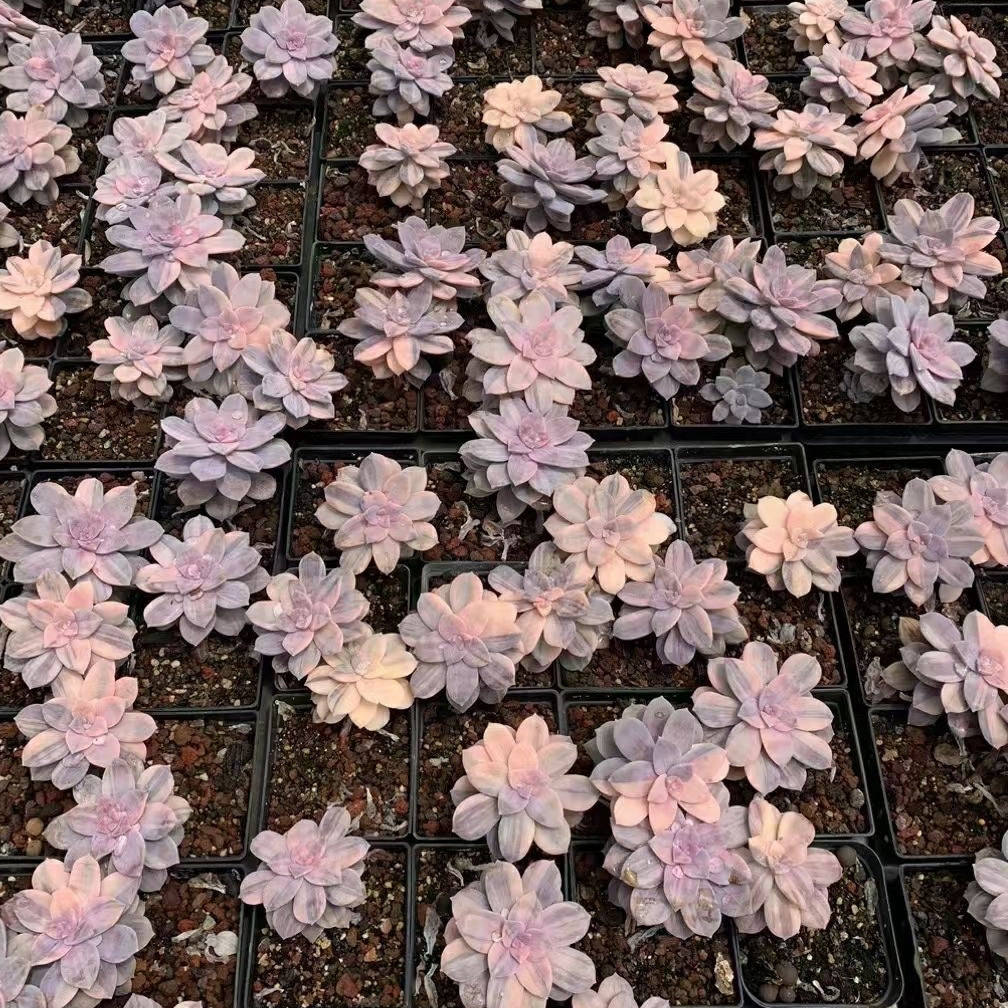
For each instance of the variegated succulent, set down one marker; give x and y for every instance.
(139, 360)
(37, 291)
(609, 269)
(536, 263)
(840, 78)
(739, 394)
(629, 89)
(985, 487)
(889, 29)
(222, 179)
(210, 106)
(143, 136)
(864, 279)
(423, 27)
(35, 151)
(168, 49)
(522, 109)
(628, 151)
(404, 80)
(815, 24)
(729, 102)
(409, 162)
(24, 403)
(689, 34)
(960, 64)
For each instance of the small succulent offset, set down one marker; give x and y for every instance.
(610, 268)
(14, 28)
(840, 78)
(962, 63)
(24, 403)
(620, 24)
(405, 80)
(689, 34)
(209, 106)
(889, 29)
(522, 108)
(380, 512)
(203, 581)
(143, 136)
(615, 992)
(524, 452)
(77, 915)
(629, 89)
(816, 23)
(985, 488)
(222, 180)
(364, 681)
(534, 264)
(466, 642)
(908, 352)
(562, 613)
(290, 49)
(56, 73)
(128, 183)
(543, 183)
(59, 631)
(995, 376)
(509, 940)
(990, 873)
(37, 292)
(168, 49)
(131, 816)
(918, 545)
(423, 27)
(739, 394)
(139, 360)
(309, 879)
(35, 151)
(795, 543)
(517, 790)
(409, 162)
(91, 536)
(628, 150)
(86, 722)
(940, 251)
(862, 276)
(15, 990)
(790, 878)
(729, 101)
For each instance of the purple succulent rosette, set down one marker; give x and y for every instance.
(24, 402)
(35, 151)
(985, 487)
(986, 905)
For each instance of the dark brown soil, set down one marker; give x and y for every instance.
(951, 805)
(472, 59)
(361, 967)
(972, 402)
(350, 125)
(244, 9)
(471, 197)
(596, 223)
(217, 12)
(90, 17)
(613, 401)
(459, 117)
(85, 142)
(767, 47)
(281, 138)
(633, 665)
(445, 408)
(735, 184)
(809, 252)
(444, 734)
(89, 325)
(846, 958)
(338, 275)
(351, 55)
(578, 107)
(946, 173)
(273, 227)
(59, 224)
(583, 720)
(993, 25)
(690, 409)
(563, 45)
(995, 594)
(318, 765)
(351, 208)
(995, 302)
(212, 764)
(849, 206)
(11, 488)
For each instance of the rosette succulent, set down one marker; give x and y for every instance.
(610, 268)
(689, 34)
(562, 613)
(985, 488)
(466, 642)
(522, 109)
(130, 816)
(422, 26)
(290, 49)
(620, 24)
(14, 964)
(816, 23)
(518, 792)
(990, 873)
(221, 179)
(139, 359)
(91, 536)
(615, 992)
(534, 264)
(408, 163)
(24, 403)
(379, 512)
(35, 151)
(918, 545)
(128, 183)
(629, 89)
(203, 581)
(143, 136)
(839, 78)
(37, 292)
(168, 49)
(219, 454)
(405, 80)
(858, 271)
(308, 616)
(995, 375)
(59, 631)
(15, 27)
(310, 878)
(962, 63)
(628, 151)
(698, 281)
(729, 101)
(739, 394)
(888, 29)
(210, 105)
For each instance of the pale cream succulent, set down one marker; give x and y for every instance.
(522, 108)
(814, 23)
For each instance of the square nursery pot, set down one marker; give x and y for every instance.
(974, 410)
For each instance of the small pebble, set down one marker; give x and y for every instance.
(767, 992)
(787, 995)
(33, 848)
(34, 827)
(847, 856)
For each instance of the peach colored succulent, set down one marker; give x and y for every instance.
(862, 277)
(814, 23)
(522, 108)
(37, 291)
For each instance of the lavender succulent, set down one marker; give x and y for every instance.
(168, 50)
(408, 163)
(615, 992)
(379, 512)
(498, 18)
(139, 360)
(210, 105)
(290, 49)
(620, 24)
(628, 151)
(863, 278)
(962, 63)
(534, 264)
(143, 136)
(689, 34)
(310, 877)
(739, 394)
(92, 536)
(14, 964)
(995, 376)
(839, 78)
(130, 816)
(126, 184)
(24, 403)
(985, 488)
(220, 454)
(990, 873)
(222, 180)
(404, 80)
(35, 151)
(729, 101)
(466, 642)
(629, 89)
(518, 792)
(888, 29)
(37, 291)
(698, 281)
(423, 27)
(816, 23)
(918, 545)
(521, 108)
(610, 268)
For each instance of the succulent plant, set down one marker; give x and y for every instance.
(15, 28)
(139, 359)
(888, 28)
(940, 251)
(985, 488)
(729, 101)
(919, 545)
(167, 247)
(91, 536)
(290, 49)
(143, 136)
(629, 89)
(689, 34)
(620, 23)
(209, 105)
(908, 351)
(9, 236)
(790, 878)
(995, 375)
(816, 23)
(990, 874)
(34, 152)
(544, 182)
(219, 454)
(805, 150)
(615, 992)
(37, 291)
(131, 816)
(309, 879)
(423, 27)
(59, 631)
(783, 308)
(15, 990)
(88, 721)
(427, 255)
(203, 581)
(379, 511)
(739, 394)
(839, 78)
(24, 402)
(466, 642)
(74, 916)
(534, 264)
(408, 163)
(562, 614)
(698, 281)
(395, 333)
(128, 183)
(56, 73)
(364, 681)
(405, 80)
(222, 180)
(517, 790)
(628, 151)
(525, 451)
(664, 341)
(857, 270)
(498, 18)
(611, 529)
(677, 205)
(509, 940)
(522, 108)
(610, 268)
(169, 49)
(795, 543)
(962, 63)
